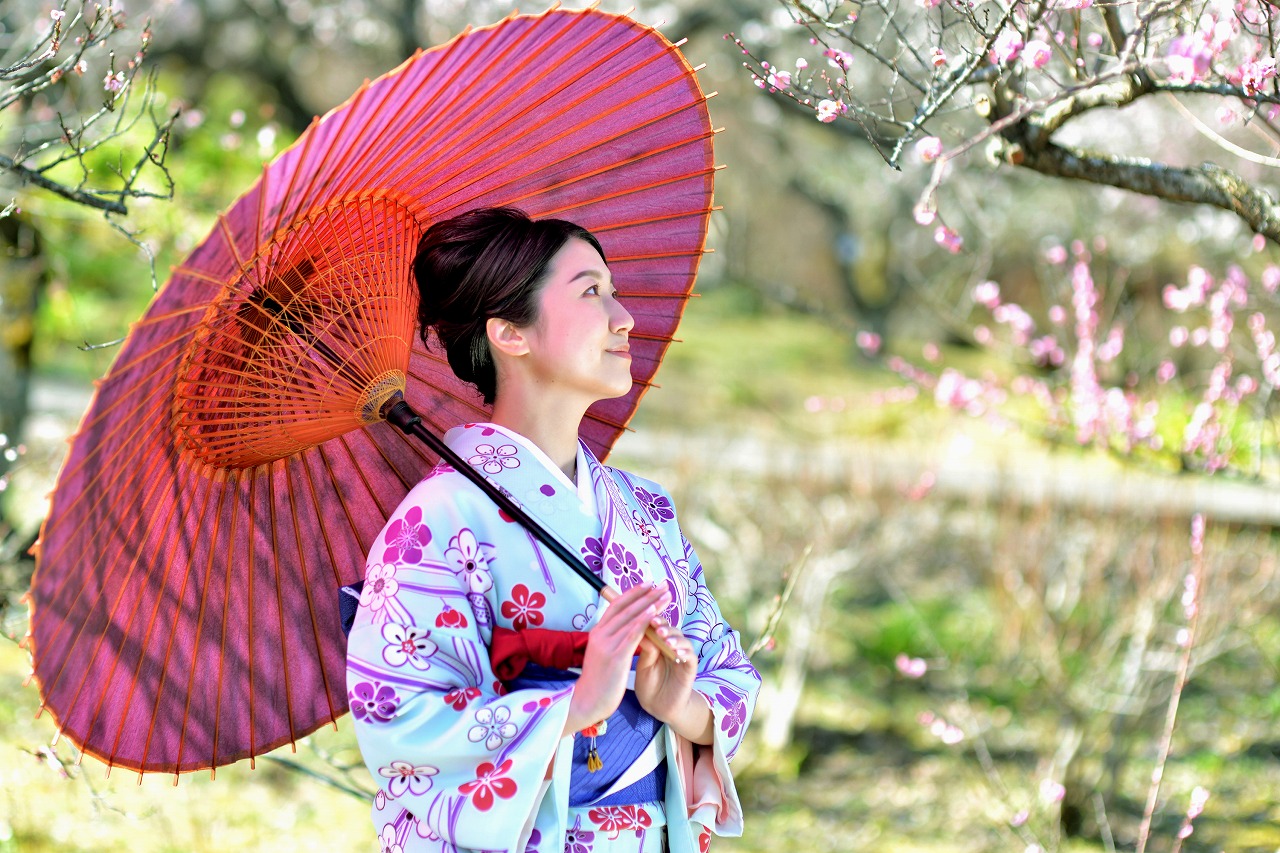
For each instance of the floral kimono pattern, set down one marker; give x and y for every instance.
(462, 765)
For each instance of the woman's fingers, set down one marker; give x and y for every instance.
(637, 605)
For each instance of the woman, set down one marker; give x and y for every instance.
(473, 747)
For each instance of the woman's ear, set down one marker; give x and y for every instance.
(505, 337)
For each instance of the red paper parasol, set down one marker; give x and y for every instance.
(232, 469)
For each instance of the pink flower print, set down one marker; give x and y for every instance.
(493, 726)
(622, 564)
(524, 609)
(643, 526)
(387, 840)
(492, 460)
(704, 841)
(406, 537)
(379, 585)
(406, 643)
(405, 777)
(577, 839)
(373, 702)
(469, 561)
(658, 506)
(489, 782)
(735, 711)
(460, 697)
(593, 555)
(450, 618)
(612, 819)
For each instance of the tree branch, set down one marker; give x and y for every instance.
(78, 196)
(1207, 184)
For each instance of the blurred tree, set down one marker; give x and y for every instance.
(80, 125)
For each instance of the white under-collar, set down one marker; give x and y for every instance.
(584, 488)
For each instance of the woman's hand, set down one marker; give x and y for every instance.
(610, 647)
(664, 687)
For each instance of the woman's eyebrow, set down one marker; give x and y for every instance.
(592, 273)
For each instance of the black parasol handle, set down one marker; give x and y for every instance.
(402, 416)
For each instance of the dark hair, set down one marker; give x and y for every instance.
(488, 262)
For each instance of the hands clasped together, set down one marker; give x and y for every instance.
(664, 687)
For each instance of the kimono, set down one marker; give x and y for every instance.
(466, 763)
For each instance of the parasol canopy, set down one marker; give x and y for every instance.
(232, 469)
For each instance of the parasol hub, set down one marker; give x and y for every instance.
(306, 342)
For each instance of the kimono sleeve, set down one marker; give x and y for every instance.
(729, 683)
(433, 729)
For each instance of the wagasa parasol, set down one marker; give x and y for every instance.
(233, 469)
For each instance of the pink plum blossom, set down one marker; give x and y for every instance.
(1189, 58)
(911, 667)
(987, 294)
(780, 79)
(827, 111)
(948, 239)
(1008, 46)
(1037, 53)
(113, 82)
(841, 60)
(937, 57)
(929, 148)
(1052, 791)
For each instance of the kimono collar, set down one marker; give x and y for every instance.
(505, 449)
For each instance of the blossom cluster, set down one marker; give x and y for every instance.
(1077, 370)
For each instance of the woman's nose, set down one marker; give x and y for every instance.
(620, 319)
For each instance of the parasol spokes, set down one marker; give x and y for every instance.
(306, 343)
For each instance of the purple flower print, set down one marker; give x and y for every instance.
(387, 841)
(492, 459)
(658, 506)
(735, 711)
(672, 613)
(469, 561)
(406, 537)
(379, 585)
(535, 838)
(593, 554)
(373, 702)
(583, 619)
(577, 839)
(405, 777)
(407, 644)
(622, 565)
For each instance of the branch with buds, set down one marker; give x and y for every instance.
(96, 144)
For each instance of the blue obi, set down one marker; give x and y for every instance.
(629, 731)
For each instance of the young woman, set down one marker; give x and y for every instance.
(499, 702)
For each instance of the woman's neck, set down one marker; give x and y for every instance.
(553, 428)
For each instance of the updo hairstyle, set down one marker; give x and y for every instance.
(488, 262)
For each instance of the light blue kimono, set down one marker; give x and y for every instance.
(462, 766)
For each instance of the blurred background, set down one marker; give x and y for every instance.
(981, 458)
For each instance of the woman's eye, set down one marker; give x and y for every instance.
(594, 290)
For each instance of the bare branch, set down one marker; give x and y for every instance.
(1206, 184)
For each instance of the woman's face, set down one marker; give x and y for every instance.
(578, 344)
